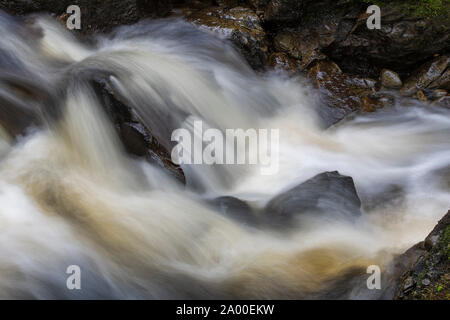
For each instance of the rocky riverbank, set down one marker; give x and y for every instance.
(429, 275)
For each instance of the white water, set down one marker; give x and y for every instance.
(69, 195)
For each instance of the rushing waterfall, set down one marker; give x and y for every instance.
(71, 195)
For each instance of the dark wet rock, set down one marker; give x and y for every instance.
(231, 3)
(16, 120)
(22, 103)
(428, 276)
(322, 23)
(428, 76)
(302, 46)
(403, 41)
(390, 79)
(338, 29)
(28, 6)
(191, 6)
(329, 194)
(154, 8)
(282, 11)
(390, 195)
(339, 94)
(236, 209)
(26, 100)
(280, 61)
(285, 41)
(239, 25)
(396, 269)
(259, 5)
(137, 139)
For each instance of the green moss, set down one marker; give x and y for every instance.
(421, 8)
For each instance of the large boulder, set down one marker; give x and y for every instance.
(328, 194)
(239, 25)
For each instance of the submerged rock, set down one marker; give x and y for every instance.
(236, 209)
(135, 136)
(25, 97)
(23, 103)
(329, 194)
(239, 25)
(15, 120)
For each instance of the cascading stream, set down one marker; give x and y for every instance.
(70, 195)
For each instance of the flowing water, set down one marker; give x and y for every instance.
(70, 195)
